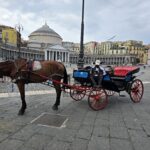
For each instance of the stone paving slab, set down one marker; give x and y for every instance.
(122, 125)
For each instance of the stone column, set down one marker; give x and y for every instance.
(52, 55)
(56, 55)
(62, 57)
(46, 55)
(65, 57)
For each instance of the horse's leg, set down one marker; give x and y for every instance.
(58, 94)
(21, 87)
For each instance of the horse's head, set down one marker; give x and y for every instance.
(5, 68)
(10, 68)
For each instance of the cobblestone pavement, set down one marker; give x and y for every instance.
(122, 125)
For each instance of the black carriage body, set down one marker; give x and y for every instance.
(121, 80)
(117, 83)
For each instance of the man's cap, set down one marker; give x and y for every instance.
(97, 62)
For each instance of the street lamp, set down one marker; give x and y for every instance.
(19, 28)
(6, 40)
(81, 53)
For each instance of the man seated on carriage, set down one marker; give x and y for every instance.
(97, 74)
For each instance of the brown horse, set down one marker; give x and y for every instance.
(22, 72)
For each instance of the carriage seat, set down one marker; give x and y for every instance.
(123, 71)
(81, 74)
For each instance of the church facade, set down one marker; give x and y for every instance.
(47, 40)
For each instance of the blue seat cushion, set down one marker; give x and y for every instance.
(106, 78)
(80, 74)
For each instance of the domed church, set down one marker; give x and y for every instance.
(47, 40)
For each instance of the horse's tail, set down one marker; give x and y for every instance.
(65, 79)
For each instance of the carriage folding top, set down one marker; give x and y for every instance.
(125, 70)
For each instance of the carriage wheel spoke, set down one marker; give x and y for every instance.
(136, 92)
(77, 92)
(97, 99)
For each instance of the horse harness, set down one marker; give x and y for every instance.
(29, 70)
(18, 75)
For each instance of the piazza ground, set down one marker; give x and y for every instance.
(122, 125)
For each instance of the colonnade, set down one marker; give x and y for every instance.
(108, 60)
(57, 55)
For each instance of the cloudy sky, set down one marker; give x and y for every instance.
(124, 19)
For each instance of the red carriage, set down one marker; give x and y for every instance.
(122, 79)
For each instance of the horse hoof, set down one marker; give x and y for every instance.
(21, 112)
(55, 107)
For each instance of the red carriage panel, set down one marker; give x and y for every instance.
(125, 70)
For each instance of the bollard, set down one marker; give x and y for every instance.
(68, 76)
(12, 87)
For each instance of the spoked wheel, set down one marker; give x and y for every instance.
(77, 92)
(97, 99)
(136, 91)
(109, 93)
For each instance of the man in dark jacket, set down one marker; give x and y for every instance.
(97, 74)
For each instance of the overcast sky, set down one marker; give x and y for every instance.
(124, 19)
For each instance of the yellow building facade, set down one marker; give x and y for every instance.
(137, 48)
(9, 36)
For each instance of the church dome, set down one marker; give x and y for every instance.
(45, 30)
(44, 35)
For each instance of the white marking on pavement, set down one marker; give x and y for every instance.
(28, 93)
(62, 126)
(146, 82)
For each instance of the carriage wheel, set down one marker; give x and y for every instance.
(77, 92)
(136, 91)
(97, 99)
(110, 93)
